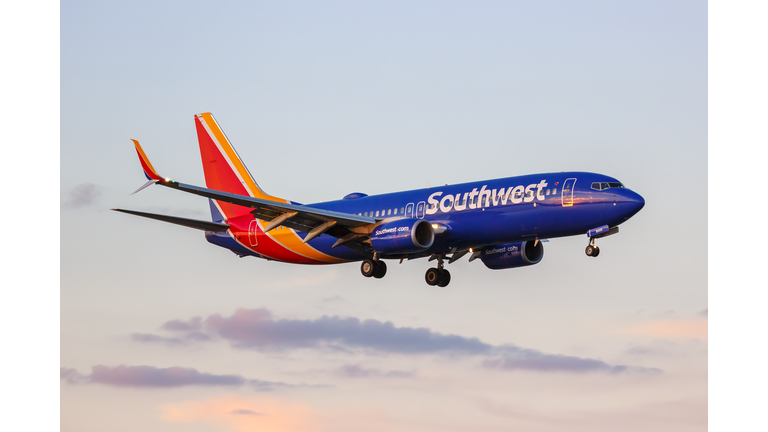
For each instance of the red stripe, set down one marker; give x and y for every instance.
(266, 244)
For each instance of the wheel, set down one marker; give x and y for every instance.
(367, 268)
(444, 279)
(590, 251)
(596, 252)
(432, 276)
(381, 269)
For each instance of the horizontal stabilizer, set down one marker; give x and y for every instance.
(191, 223)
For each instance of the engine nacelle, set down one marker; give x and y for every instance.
(403, 236)
(512, 255)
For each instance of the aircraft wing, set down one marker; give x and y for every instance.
(346, 227)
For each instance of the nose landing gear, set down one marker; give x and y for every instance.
(438, 276)
(592, 249)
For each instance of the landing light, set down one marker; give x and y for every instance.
(470, 250)
(435, 226)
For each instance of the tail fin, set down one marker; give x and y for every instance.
(223, 168)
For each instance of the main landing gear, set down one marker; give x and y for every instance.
(592, 250)
(375, 268)
(438, 276)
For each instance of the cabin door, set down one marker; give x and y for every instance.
(568, 192)
(421, 208)
(409, 210)
(252, 232)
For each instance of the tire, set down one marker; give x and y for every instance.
(367, 268)
(381, 269)
(590, 250)
(596, 252)
(445, 278)
(432, 276)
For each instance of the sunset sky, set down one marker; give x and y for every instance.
(160, 330)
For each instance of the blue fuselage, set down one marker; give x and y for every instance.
(485, 213)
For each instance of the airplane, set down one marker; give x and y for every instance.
(504, 222)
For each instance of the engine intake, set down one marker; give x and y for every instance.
(403, 236)
(512, 255)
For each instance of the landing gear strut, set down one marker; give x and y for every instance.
(592, 249)
(375, 268)
(438, 276)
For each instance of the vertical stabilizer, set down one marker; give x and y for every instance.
(223, 168)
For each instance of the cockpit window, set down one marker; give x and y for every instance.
(604, 186)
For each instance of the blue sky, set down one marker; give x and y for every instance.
(321, 100)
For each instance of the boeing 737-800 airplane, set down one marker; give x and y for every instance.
(503, 222)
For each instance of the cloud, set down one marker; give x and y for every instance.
(536, 361)
(151, 338)
(357, 371)
(259, 330)
(183, 326)
(241, 411)
(153, 377)
(82, 195)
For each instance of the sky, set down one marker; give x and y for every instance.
(160, 330)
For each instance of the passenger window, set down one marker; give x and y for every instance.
(377, 213)
(389, 212)
(395, 210)
(554, 191)
(402, 209)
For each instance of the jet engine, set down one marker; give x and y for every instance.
(403, 236)
(512, 255)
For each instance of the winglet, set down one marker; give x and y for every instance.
(149, 170)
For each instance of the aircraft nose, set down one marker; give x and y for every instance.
(637, 200)
(634, 203)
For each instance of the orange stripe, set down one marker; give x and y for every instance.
(287, 238)
(144, 157)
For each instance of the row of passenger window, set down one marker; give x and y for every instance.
(387, 212)
(485, 202)
(604, 185)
